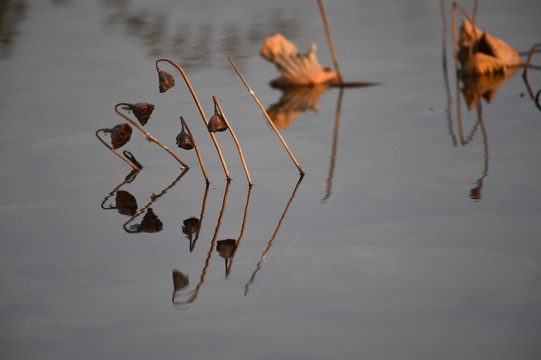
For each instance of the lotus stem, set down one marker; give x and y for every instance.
(217, 103)
(149, 137)
(136, 168)
(196, 149)
(200, 111)
(267, 117)
(329, 39)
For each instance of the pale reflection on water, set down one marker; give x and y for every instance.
(414, 233)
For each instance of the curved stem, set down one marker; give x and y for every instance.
(196, 149)
(217, 103)
(267, 117)
(136, 168)
(200, 110)
(149, 137)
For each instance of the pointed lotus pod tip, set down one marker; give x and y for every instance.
(167, 81)
(120, 135)
(184, 141)
(217, 123)
(142, 111)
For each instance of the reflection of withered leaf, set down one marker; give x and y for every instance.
(125, 203)
(295, 100)
(489, 54)
(297, 69)
(484, 86)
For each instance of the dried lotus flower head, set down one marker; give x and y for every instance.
(142, 111)
(120, 135)
(184, 141)
(217, 123)
(167, 81)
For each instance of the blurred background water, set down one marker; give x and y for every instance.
(409, 237)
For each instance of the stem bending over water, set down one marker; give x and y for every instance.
(267, 116)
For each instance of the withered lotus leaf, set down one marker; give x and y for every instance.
(184, 140)
(217, 123)
(120, 135)
(142, 112)
(167, 81)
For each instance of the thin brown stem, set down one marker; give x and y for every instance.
(149, 137)
(196, 148)
(217, 103)
(136, 168)
(200, 111)
(329, 39)
(267, 117)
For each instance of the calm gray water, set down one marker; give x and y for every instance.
(410, 237)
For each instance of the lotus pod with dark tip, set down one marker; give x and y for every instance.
(167, 81)
(217, 123)
(184, 140)
(142, 112)
(120, 135)
(226, 248)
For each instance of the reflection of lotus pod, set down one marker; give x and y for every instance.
(190, 226)
(150, 223)
(180, 281)
(120, 135)
(217, 123)
(125, 203)
(142, 112)
(167, 81)
(184, 140)
(226, 248)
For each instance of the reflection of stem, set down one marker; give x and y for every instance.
(269, 244)
(200, 111)
(267, 117)
(196, 148)
(446, 75)
(475, 193)
(153, 199)
(149, 137)
(113, 150)
(217, 103)
(525, 73)
(131, 176)
(334, 146)
(195, 292)
(228, 268)
(329, 39)
(192, 243)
